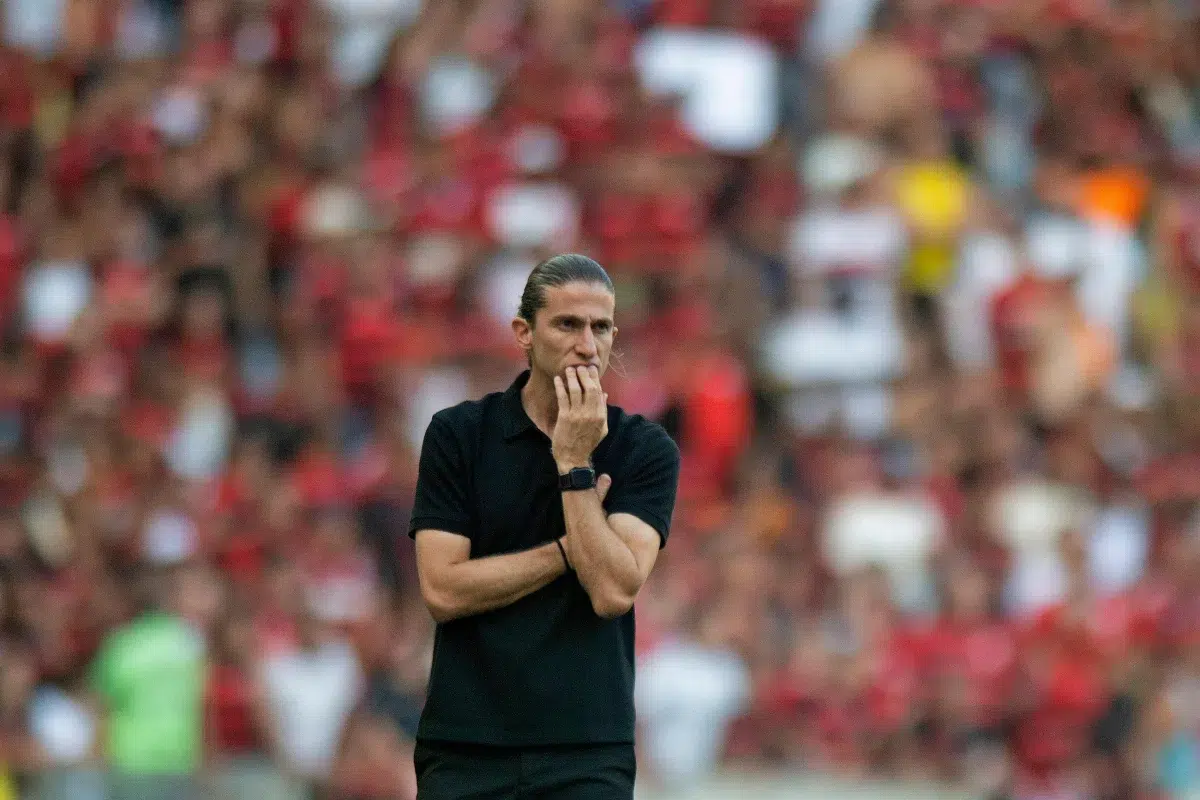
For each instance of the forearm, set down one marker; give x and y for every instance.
(483, 584)
(605, 565)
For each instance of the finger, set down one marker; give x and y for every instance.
(594, 387)
(595, 392)
(603, 484)
(560, 391)
(585, 377)
(589, 386)
(574, 389)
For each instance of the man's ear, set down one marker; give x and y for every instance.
(523, 332)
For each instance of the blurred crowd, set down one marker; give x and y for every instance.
(915, 284)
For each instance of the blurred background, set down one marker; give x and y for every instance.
(915, 284)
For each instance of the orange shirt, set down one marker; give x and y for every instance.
(1114, 194)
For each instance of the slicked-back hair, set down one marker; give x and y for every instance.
(558, 271)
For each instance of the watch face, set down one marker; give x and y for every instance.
(581, 478)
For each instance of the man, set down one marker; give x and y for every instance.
(148, 681)
(308, 696)
(530, 563)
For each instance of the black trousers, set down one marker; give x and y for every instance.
(452, 771)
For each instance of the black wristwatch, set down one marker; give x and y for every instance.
(577, 479)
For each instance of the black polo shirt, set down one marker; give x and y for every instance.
(545, 670)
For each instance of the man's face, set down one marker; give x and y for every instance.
(575, 328)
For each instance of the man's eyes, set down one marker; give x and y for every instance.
(570, 325)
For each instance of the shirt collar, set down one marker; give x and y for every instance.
(516, 420)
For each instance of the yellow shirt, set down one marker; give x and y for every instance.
(934, 196)
(7, 790)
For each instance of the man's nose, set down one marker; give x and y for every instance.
(585, 343)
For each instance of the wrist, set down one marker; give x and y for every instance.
(567, 463)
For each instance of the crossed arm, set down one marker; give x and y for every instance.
(455, 585)
(612, 557)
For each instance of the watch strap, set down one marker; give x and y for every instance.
(577, 479)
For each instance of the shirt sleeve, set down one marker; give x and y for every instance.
(648, 489)
(441, 501)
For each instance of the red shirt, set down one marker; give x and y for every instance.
(1012, 314)
(891, 695)
(784, 696)
(944, 490)
(615, 220)
(1187, 243)
(388, 175)
(1067, 631)
(101, 376)
(124, 284)
(482, 152)
(234, 494)
(678, 220)
(1180, 625)
(718, 417)
(10, 263)
(1102, 631)
(319, 479)
(243, 554)
(17, 96)
(204, 357)
(452, 205)
(839, 727)
(1172, 477)
(780, 22)
(369, 338)
(1189, 353)
(284, 215)
(229, 705)
(148, 422)
(589, 117)
(1070, 698)
(115, 494)
(275, 633)
(207, 60)
(960, 95)
(984, 654)
(683, 13)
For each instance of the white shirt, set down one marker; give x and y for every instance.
(310, 695)
(897, 531)
(365, 29)
(838, 26)
(872, 239)
(54, 294)
(34, 25)
(987, 264)
(686, 695)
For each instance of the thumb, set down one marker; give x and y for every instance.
(603, 484)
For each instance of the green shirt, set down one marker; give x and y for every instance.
(150, 674)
